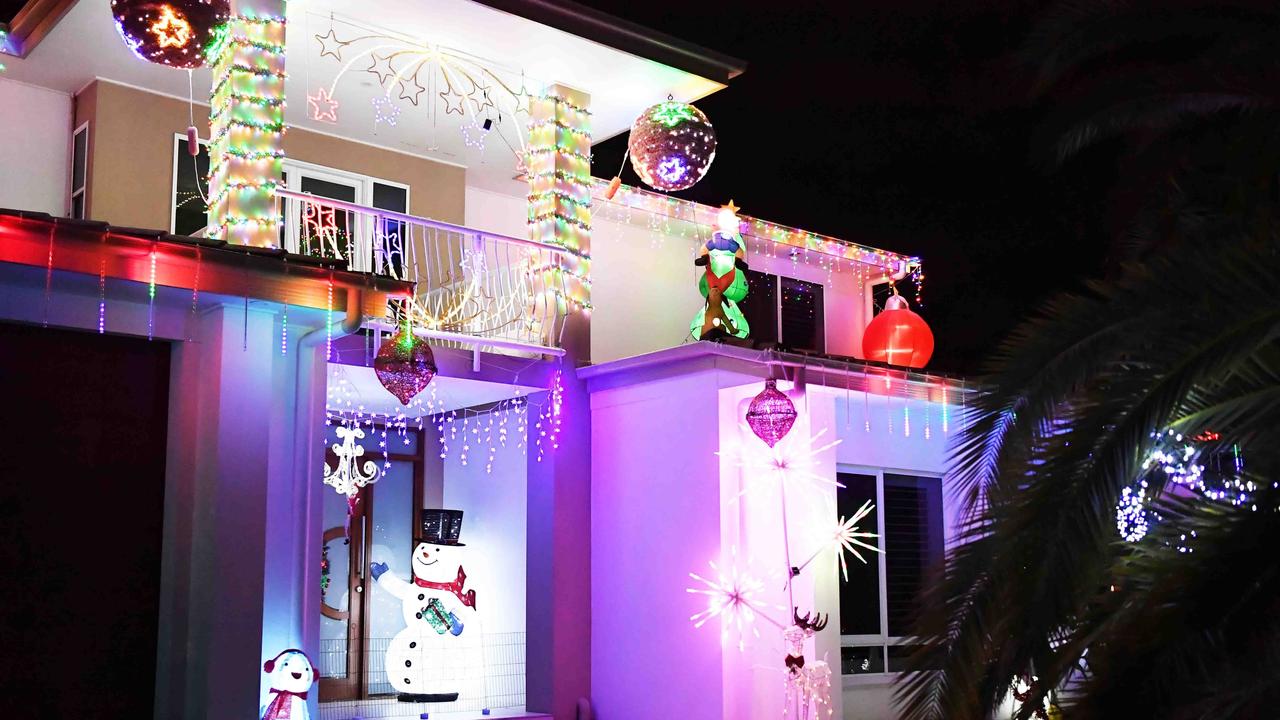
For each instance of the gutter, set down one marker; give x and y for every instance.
(625, 35)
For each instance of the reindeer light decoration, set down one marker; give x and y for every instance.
(808, 688)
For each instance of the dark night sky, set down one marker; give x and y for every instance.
(906, 125)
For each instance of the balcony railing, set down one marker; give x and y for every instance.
(474, 287)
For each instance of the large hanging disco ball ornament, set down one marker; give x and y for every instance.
(176, 33)
(672, 145)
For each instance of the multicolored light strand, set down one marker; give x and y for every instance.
(246, 125)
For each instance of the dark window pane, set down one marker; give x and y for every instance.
(190, 214)
(79, 159)
(802, 315)
(388, 197)
(861, 660)
(393, 232)
(325, 231)
(879, 293)
(898, 655)
(913, 544)
(760, 307)
(77, 207)
(860, 596)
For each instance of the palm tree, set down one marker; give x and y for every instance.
(1186, 338)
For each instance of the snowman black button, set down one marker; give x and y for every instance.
(408, 664)
(421, 597)
(413, 645)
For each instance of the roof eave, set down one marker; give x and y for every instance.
(625, 36)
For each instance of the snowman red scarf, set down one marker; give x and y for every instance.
(281, 707)
(467, 597)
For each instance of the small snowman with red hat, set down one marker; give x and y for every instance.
(291, 674)
(431, 660)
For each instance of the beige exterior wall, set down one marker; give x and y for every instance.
(131, 158)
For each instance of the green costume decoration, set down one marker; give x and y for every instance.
(724, 284)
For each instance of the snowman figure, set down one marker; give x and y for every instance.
(430, 660)
(291, 675)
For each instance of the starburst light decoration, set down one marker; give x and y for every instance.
(849, 538)
(733, 597)
(793, 462)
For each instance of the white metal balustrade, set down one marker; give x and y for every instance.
(474, 287)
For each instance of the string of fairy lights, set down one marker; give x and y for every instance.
(665, 217)
(558, 162)
(471, 435)
(246, 125)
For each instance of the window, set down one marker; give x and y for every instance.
(190, 188)
(79, 170)
(189, 212)
(784, 310)
(878, 603)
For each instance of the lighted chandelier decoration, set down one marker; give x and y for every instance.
(179, 33)
(672, 145)
(349, 474)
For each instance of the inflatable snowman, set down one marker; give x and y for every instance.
(436, 657)
(291, 675)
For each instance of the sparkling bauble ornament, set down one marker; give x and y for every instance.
(771, 414)
(672, 144)
(898, 336)
(176, 33)
(405, 365)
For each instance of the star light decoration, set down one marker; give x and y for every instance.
(385, 111)
(330, 38)
(413, 94)
(381, 68)
(732, 596)
(171, 30)
(323, 107)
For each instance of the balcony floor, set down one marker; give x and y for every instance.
(392, 709)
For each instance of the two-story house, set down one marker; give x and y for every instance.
(266, 311)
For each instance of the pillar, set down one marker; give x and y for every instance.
(246, 126)
(240, 568)
(558, 559)
(559, 174)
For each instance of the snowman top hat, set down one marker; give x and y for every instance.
(441, 527)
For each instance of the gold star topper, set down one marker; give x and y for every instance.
(730, 207)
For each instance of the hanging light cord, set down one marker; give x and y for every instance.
(195, 156)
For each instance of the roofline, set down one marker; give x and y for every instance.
(625, 35)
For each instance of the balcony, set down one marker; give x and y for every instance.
(476, 289)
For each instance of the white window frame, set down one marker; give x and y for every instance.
(71, 181)
(883, 638)
(294, 170)
(363, 184)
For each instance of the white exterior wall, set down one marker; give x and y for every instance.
(35, 159)
(644, 285)
(494, 530)
(657, 425)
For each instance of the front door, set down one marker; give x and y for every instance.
(358, 619)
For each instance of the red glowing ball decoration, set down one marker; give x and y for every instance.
(898, 336)
(771, 414)
(176, 33)
(405, 365)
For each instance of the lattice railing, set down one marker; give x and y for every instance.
(470, 283)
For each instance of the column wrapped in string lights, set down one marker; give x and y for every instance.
(246, 125)
(559, 174)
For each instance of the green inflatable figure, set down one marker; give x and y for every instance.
(724, 283)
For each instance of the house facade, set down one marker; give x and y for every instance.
(272, 243)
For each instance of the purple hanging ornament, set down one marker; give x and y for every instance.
(771, 414)
(405, 365)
